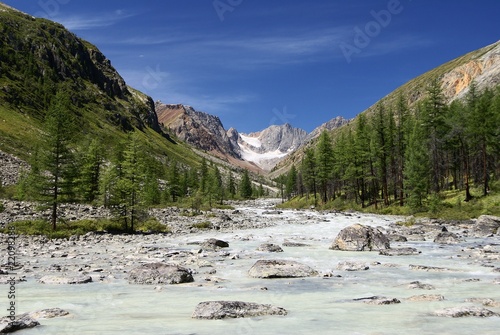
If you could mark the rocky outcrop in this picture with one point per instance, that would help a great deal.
(280, 269)
(332, 124)
(201, 130)
(234, 309)
(159, 273)
(360, 238)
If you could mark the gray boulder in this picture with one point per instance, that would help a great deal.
(214, 244)
(399, 252)
(416, 285)
(486, 225)
(377, 300)
(280, 269)
(22, 321)
(426, 297)
(48, 313)
(269, 247)
(234, 309)
(447, 237)
(464, 311)
(352, 266)
(159, 273)
(360, 238)
(82, 279)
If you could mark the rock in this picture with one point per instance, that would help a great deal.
(269, 247)
(397, 238)
(352, 266)
(428, 268)
(399, 252)
(22, 321)
(280, 269)
(486, 225)
(48, 313)
(360, 238)
(416, 285)
(484, 302)
(159, 273)
(234, 309)
(426, 297)
(83, 279)
(214, 244)
(446, 237)
(294, 244)
(459, 312)
(376, 300)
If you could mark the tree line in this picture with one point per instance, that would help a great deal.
(127, 179)
(405, 156)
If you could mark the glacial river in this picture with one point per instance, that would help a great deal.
(315, 305)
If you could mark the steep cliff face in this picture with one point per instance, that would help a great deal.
(332, 124)
(483, 69)
(201, 130)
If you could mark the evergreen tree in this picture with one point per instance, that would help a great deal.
(174, 181)
(246, 186)
(324, 158)
(309, 172)
(90, 165)
(417, 167)
(401, 136)
(57, 168)
(291, 182)
(203, 175)
(380, 148)
(231, 187)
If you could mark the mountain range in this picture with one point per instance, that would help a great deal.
(37, 56)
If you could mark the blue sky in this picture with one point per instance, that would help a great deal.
(255, 63)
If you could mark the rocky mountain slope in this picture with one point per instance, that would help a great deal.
(39, 57)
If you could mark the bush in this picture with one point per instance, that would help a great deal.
(152, 226)
(202, 225)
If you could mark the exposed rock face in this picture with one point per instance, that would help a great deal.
(483, 70)
(159, 273)
(234, 309)
(360, 238)
(334, 123)
(201, 130)
(486, 225)
(460, 312)
(280, 269)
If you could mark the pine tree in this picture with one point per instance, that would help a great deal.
(174, 181)
(231, 187)
(324, 158)
(90, 165)
(309, 172)
(291, 182)
(57, 166)
(246, 186)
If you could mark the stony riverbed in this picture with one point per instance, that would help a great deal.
(436, 278)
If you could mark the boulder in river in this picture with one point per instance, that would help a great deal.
(460, 312)
(159, 273)
(269, 247)
(82, 279)
(234, 309)
(360, 238)
(280, 269)
(20, 322)
(446, 237)
(486, 225)
(352, 266)
(399, 252)
(214, 244)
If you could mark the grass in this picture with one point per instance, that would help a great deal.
(81, 227)
(202, 225)
(448, 205)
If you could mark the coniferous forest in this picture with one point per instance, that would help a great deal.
(405, 156)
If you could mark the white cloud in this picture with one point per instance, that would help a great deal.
(85, 22)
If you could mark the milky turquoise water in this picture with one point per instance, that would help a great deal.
(315, 305)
